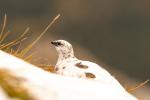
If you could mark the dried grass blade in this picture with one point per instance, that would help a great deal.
(35, 41)
(138, 86)
(16, 41)
(3, 27)
(4, 36)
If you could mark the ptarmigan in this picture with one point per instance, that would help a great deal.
(69, 65)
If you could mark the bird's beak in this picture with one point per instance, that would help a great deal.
(54, 43)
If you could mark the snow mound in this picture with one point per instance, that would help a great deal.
(44, 85)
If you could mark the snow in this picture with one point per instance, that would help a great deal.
(47, 86)
(3, 96)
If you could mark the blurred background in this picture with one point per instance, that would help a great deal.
(113, 33)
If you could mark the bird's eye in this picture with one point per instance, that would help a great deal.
(58, 43)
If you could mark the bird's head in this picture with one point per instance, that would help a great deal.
(63, 48)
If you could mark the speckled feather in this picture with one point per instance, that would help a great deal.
(69, 65)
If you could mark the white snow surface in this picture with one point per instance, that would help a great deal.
(47, 86)
(3, 96)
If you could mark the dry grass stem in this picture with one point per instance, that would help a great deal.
(3, 27)
(16, 41)
(12, 86)
(138, 86)
(25, 50)
(21, 53)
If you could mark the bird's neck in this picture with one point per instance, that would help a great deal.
(64, 56)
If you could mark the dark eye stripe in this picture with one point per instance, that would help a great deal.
(58, 43)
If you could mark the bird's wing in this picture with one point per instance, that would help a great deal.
(101, 74)
(97, 70)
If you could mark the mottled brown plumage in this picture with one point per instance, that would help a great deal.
(89, 75)
(68, 65)
(80, 65)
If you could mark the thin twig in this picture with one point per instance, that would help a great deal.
(138, 86)
(4, 25)
(4, 36)
(41, 34)
(16, 41)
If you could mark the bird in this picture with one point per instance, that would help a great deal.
(69, 65)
